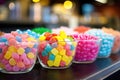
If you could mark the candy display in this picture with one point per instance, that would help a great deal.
(56, 51)
(17, 52)
(116, 34)
(106, 43)
(81, 29)
(87, 48)
(41, 30)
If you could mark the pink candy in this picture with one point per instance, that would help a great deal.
(17, 52)
(87, 48)
(15, 56)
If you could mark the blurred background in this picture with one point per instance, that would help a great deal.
(24, 14)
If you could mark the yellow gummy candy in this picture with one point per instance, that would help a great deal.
(50, 63)
(59, 47)
(12, 49)
(63, 34)
(65, 58)
(57, 60)
(30, 44)
(20, 51)
(62, 42)
(63, 52)
(1, 65)
(59, 38)
(8, 55)
(54, 51)
(12, 62)
(31, 39)
(42, 38)
(30, 55)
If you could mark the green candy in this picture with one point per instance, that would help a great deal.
(41, 30)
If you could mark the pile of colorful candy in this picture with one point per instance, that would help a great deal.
(82, 29)
(116, 34)
(68, 30)
(29, 32)
(17, 52)
(56, 51)
(87, 48)
(106, 43)
(41, 30)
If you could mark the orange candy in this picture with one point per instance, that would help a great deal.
(81, 29)
(20, 64)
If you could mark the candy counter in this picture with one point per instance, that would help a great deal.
(56, 52)
(100, 69)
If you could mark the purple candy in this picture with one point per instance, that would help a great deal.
(8, 67)
(15, 68)
(27, 50)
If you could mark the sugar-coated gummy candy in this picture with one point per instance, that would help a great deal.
(17, 51)
(48, 48)
(30, 55)
(50, 63)
(62, 52)
(20, 51)
(15, 56)
(12, 62)
(20, 64)
(56, 50)
(18, 38)
(27, 50)
(57, 60)
(15, 68)
(52, 57)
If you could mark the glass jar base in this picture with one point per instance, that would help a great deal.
(55, 67)
(104, 57)
(17, 72)
(84, 62)
(20, 72)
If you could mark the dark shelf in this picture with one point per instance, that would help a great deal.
(100, 69)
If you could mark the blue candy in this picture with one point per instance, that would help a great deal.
(2, 39)
(51, 57)
(18, 38)
(32, 34)
(72, 47)
(19, 31)
(27, 50)
(106, 42)
(48, 48)
(44, 53)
